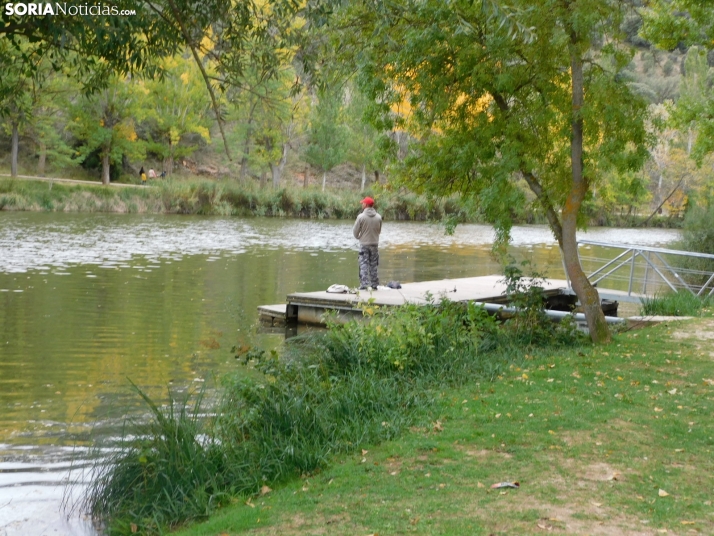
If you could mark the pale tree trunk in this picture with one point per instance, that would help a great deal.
(15, 149)
(278, 169)
(246, 145)
(169, 162)
(105, 168)
(42, 160)
(306, 179)
(324, 179)
(243, 169)
(364, 176)
(587, 294)
(275, 174)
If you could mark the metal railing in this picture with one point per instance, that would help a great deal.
(645, 270)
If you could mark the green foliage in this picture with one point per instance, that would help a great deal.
(412, 339)
(328, 136)
(529, 324)
(170, 470)
(175, 106)
(698, 236)
(682, 303)
(696, 102)
(104, 122)
(357, 384)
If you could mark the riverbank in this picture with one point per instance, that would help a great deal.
(229, 198)
(614, 439)
(224, 198)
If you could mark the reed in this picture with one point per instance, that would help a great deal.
(357, 384)
(682, 303)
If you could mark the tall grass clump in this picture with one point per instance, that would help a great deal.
(682, 303)
(356, 384)
(168, 469)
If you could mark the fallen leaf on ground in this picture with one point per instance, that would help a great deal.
(662, 493)
(265, 490)
(438, 427)
(708, 381)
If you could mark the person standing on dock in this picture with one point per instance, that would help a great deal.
(366, 230)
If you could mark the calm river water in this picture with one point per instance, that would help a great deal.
(89, 302)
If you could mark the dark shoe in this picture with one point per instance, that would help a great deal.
(363, 288)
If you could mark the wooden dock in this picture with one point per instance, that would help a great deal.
(309, 307)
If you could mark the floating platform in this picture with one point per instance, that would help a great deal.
(309, 307)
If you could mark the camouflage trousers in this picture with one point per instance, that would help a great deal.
(368, 262)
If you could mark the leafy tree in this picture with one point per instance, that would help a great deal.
(104, 122)
(93, 44)
(362, 144)
(266, 114)
(678, 23)
(695, 107)
(327, 134)
(500, 91)
(16, 96)
(175, 106)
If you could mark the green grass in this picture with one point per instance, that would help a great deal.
(591, 433)
(682, 303)
(224, 198)
(357, 384)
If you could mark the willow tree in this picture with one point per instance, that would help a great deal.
(499, 92)
(671, 24)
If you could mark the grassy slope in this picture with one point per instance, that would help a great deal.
(592, 438)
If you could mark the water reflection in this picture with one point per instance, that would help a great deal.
(90, 301)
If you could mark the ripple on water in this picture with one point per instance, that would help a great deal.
(41, 241)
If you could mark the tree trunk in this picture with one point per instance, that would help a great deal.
(105, 167)
(243, 169)
(278, 169)
(169, 162)
(306, 179)
(246, 145)
(263, 180)
(15, 149)
(364, 176)
(41, 162)
(587, 294)
(324, 179)
(275, 173)
(376, 175)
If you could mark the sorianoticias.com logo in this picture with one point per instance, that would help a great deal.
(63, 8)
